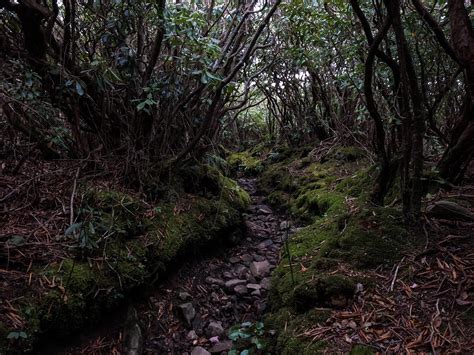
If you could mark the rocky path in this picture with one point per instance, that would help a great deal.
(193, 310)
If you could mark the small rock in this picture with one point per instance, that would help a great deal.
(265, 283)
(257, 257)
(234, 259)
(260, 268)
(188, 312)
(191, 335)
(241, 290)
(214, 329)
(198, 350)
(264, 209)
(284, 225)
(256, 293)
(265, 244)
(252, 228)
(227, 275)
(240, 271)
(254, 287)
(247, 258)
(234, 282)
(184, 296)
(225, 345)
(214, 281)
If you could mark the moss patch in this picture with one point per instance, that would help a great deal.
(245, 162)
(330, 196)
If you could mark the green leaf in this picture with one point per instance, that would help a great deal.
(16, 240)
(141, 105)
(79, 89)
(72, 228)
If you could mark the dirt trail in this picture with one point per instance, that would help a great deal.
(195, 307)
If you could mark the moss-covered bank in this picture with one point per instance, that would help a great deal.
(329, 194)
(122, 243)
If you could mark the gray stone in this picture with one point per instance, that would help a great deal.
(285, 225)
(191, 335)
(265, 283)
(214, 281)
(241, 290)
(265, 244)
(184, 296)
(264, 209)
(240, 271)
(260, 268)
(221, 346)
(234, 259)
(234, 282)
(254, 287)
(188, 312)
(214, 329)
(256, 293)
(198, 350)
(227, 275)
(252, 228)
(247, 258)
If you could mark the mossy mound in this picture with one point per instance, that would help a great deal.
(123, 243)
(290, 325)
(330, 195)
(245, 162)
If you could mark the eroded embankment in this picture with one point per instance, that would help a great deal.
(119, 243)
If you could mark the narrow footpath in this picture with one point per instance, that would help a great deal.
(192, 311)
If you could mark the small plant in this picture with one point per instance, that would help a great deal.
(247, 338)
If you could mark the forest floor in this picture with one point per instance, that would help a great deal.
(414, 295)
(196, 306)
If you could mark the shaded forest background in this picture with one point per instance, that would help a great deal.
(153, 84)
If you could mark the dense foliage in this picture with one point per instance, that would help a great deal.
(157, 83)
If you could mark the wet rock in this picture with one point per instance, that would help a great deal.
(285, 225)
(198, 350)
(260, 269)
(214, 329)
(221, 346)
(251, 279)
(256, 293)
(240, 271)
(214, 281)
(265, 244)
(264, 209)
(234, 282)
(133, 337)
(247, 258)
(253, 287)
(265, 283)
(241, 290)
(187, 311)
(184, 296)
(252, 228)
(191, 335)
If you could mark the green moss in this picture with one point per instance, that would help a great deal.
(289, 326)
(345, 154)
(324, 291)
(245, 162)
(318, 203)
(361, 350)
